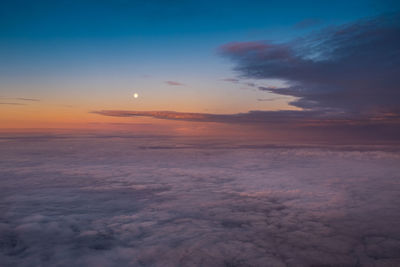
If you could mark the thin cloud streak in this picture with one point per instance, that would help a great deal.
(233, 80)
(21, 99)
(28, 99)
(282, 116)
(174, 83)
(269, 99)
(291, 125)
(249, 117)
(12, 104)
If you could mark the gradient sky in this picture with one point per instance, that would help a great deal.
(65, 62)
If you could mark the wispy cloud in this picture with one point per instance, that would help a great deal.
(269, 99)
(12, 103)
(17, 101)
(27, 99)
(238, 81)
(174, 83)
(233, 80)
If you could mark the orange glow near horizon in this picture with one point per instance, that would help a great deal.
(53, 112)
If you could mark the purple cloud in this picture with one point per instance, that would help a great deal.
(351, 68)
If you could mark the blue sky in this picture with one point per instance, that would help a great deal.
(146, 37)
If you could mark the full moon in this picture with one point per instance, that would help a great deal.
(135, 95)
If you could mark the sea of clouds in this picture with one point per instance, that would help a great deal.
(158, 201)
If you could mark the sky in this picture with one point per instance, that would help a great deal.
(199, 133)
(258, 64)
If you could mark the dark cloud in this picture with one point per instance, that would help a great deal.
(174, 83)
(351, 68)
(84, 201)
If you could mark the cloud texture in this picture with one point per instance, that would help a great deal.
(344, 79)
(114, 201)
(350, 68)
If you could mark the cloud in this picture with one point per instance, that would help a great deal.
(291, 125)
(27, 99)
(249, 117)
(251, 84)
(174, 83)
(233, 80)
(237, 81)
(269, 99)
(349, 68)
(344, 79)
(12, 103)
(24, 100)
(254, 117)
(83, 201)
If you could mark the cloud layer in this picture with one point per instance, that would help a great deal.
(350, 68)
(114, 201)
(290, 125)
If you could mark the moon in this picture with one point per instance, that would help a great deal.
(135, 95)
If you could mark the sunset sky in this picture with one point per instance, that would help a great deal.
(199, 133)
(72, 64)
